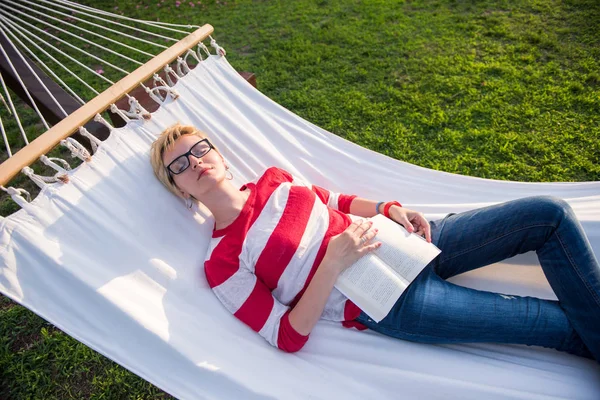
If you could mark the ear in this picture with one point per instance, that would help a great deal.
(184, 194)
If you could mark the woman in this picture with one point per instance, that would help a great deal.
(279, 244)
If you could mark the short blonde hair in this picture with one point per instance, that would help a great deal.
(166, 141)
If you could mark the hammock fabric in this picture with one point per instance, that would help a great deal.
(116, 261)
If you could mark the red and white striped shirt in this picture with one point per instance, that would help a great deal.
(260, 265)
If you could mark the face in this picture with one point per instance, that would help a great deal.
(202, 174)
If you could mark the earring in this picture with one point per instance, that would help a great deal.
(227, 170)
(188, 203)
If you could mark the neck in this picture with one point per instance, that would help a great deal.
(225, 204)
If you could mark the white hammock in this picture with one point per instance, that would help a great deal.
(115, 261)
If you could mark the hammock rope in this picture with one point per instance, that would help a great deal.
(17, 19)
(87, 31)
(102, 26)
(87, 53)
(51, 72)
(163, 25)
(23, 86)
(77, 150)
(92, 43)
(49, 161)
(6, 144)
(15, 115)
(24, 32)
(15, 194)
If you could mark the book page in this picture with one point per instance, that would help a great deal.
(406, 253)
(371, 285)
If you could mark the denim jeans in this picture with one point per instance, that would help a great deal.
(432, 310)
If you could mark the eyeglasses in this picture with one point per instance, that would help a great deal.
(181, 163)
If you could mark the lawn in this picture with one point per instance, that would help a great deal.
(505, 90)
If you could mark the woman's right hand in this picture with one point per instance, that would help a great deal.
(345, 249)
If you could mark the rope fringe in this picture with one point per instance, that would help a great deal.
(77, 150)
(94, 141)
(15, 194)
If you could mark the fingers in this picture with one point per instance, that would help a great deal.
(364, 244)
(428, 232)
(370, 235)
(361, 226)
(370, 247)
(424, 228)
(407, 225)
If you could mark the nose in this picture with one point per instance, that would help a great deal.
(194, 161)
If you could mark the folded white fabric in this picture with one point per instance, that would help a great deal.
(116, 261)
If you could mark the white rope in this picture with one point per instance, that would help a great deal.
(20, 31)
(49, 161)
(57, 62)
(79, 49)
(5, 139)
(61, 52)
(36, 77)
(119, 112)
(97, 25)
(99, 118)
(15, 194)
(94, 141)
(8, 18)
(73, 35)
(157, 78)
(155, 95)
(141, 21)
(155, 92)
(170, 72)
(189, 52)
(182, 62)
(39, 180)
(182, 68)
(57, 4)
(77, 150)
(75, 27)
(14, 112)
(203, 47)
(136, 111)
(220, 51)
(34, 105)
(31, 53)
(8, 151)
(4, 102)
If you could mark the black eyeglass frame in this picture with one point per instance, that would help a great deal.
(187, 156)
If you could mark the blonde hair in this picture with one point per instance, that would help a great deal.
(166, 141)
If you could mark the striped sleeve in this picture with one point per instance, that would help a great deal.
(249, 300)
(337, 201)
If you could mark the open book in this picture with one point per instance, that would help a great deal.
(375, 282)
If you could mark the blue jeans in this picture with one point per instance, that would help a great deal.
(432, 310)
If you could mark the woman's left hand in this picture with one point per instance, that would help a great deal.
(411, 221)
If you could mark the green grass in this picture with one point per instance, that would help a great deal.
(506, 90)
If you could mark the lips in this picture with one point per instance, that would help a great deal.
(202, 172)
